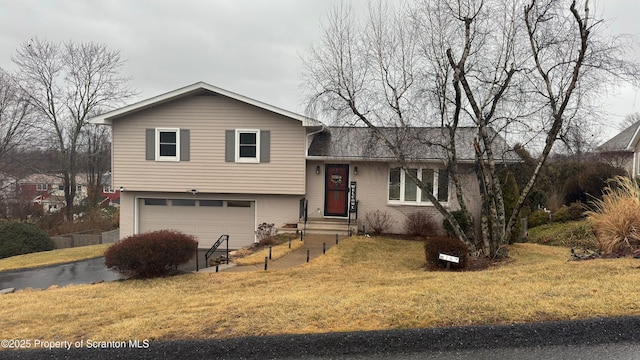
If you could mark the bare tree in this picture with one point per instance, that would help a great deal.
(15, 116)
(15, 128)
(67, 84)
(523, 69)
(628, 121)
(95, 156)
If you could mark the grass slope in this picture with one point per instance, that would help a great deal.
(360, 284)
(578, 234)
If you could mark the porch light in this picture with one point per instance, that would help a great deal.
(317, 169)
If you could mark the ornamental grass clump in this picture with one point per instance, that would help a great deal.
(616, 217)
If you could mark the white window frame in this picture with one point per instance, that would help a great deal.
(41, 187)
(253, 160)
(108, 189)
(157, 145)
(418, 201)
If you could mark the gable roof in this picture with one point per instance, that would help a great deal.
(418, 144)
(200, 87)
(624, 141)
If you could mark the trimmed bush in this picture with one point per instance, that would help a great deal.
(462, 221)
(18, 238)
(561, 214)
(419, 224)
(537, 218)
(151, 254)
(436, 245)
(379, 222)
(576, 211)
(568, 213)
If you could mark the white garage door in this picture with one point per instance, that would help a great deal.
(205, 219)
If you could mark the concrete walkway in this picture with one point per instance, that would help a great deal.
(313, 243)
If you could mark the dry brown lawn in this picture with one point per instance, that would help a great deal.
(360, 284)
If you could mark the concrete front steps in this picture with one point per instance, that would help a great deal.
(328, 226)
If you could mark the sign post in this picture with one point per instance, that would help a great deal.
(449, 259)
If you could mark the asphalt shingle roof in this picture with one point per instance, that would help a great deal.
(424, 143)
(620, 141)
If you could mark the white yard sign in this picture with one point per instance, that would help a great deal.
(449, 258)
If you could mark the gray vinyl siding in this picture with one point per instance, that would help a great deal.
(208, 118)
(372, 194)
(272, 209)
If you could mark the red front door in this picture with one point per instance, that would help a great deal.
(336, 183)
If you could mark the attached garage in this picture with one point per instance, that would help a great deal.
(206, 219)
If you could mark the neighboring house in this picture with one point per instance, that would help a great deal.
(208, 162)
(109, 195)
(43, 190)
(623, 150)
(48, 191)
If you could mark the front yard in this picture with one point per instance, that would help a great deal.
(360, 284)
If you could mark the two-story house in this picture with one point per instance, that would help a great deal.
(207, 161)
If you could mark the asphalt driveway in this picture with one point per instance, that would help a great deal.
(79, 272)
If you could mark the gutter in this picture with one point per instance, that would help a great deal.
(307, 144)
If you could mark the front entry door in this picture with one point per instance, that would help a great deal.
(336, 184)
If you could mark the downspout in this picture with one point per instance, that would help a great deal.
(308, 143)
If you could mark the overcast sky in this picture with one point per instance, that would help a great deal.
(249, 47)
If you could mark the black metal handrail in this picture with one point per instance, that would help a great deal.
(306, 216)
(215, 247)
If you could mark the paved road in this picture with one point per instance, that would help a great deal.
(616, 338)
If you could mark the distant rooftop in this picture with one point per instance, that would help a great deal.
(621, 141)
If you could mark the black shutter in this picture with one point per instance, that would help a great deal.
(185, 144)
(265, 146)
(230, 146)
(150, 144)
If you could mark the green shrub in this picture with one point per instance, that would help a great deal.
(561, 214)
(419, 224)
(18, 238)
(462, 221)
(436, 245)
(573, 212)
(537, 218)
(576, 234)
(151, 254)
(576, 211)
(583, 186)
